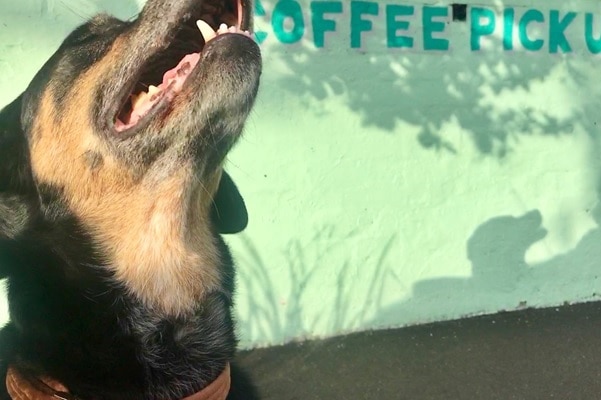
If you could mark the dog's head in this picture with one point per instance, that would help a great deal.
(122, 135)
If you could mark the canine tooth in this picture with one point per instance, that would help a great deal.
(205, 30)
(153, 89)
(222, 28)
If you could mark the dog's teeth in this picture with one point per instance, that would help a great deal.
(153, 89)
(224, 28)
(205, 30)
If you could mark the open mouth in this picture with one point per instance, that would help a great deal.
(165, 73)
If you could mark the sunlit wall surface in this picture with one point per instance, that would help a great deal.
(405, 162)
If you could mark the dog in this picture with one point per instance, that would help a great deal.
(113, 200)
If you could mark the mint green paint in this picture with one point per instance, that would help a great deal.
(396, 186)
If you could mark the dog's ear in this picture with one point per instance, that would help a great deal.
(16, 183)
(229, 211)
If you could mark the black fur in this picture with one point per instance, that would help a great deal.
(70, 320)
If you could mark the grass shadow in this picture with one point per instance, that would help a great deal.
(277, 308)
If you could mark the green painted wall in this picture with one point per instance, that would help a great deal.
(394, 186)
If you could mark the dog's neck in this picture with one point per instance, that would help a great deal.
(161, 247)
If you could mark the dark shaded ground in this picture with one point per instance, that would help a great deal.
(551, 353)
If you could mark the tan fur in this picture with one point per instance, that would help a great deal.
(156, 232)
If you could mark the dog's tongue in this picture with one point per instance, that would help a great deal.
(175, 77)
(173, 80)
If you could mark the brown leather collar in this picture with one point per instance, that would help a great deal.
(20, 388)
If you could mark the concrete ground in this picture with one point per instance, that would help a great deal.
(551, 353)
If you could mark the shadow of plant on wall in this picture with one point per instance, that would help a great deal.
(500, 274)
(278, 314)
(431, 90)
